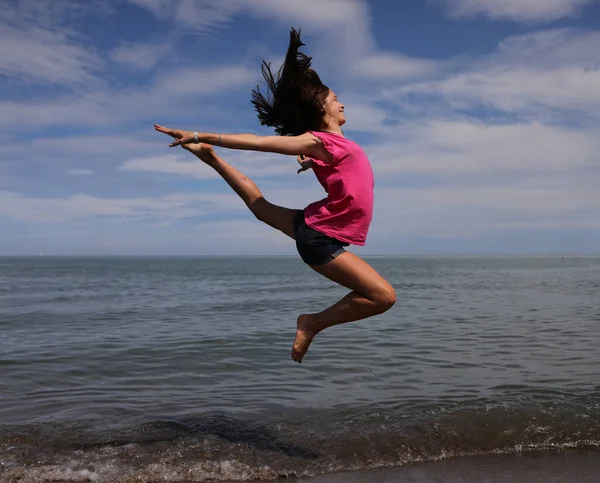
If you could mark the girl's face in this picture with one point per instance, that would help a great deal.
(334, 109)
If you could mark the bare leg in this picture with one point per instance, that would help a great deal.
(278, 217)
(371, 295)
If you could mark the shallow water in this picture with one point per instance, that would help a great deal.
(173, 369)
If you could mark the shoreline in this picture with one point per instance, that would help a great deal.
(581, 466)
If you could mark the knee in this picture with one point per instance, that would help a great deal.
(256, 207)
(386, 298)
(259, 216)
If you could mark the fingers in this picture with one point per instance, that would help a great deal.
(305, 162)
(180, 137)
(176, 133)
(164, 130)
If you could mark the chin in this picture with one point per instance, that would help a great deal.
(342, 121)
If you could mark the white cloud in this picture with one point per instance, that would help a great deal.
(40, 41)
(204, 14)
(528, 74)
(549, 48)
(53, 13)
(451, 147)
(343, 26)
(206, 80)
(241, 236)
(387, 65)
(79, 207)
(253, 164)
(46, 56)
(255, 236)
(160, 8)
(313, 11)
(80, 172)
(467, 210)
(521, 90)
(310, 13)
(141, 55)
(104, 106)
(91, 146)
(518, 10)
(172, 164)
(363, 117)
(51, 210)
(346, 20)
(344, 37)
(69, 110)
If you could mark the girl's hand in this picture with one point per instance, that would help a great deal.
(304, 162)
(181, 137)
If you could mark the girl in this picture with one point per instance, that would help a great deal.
(308, 118)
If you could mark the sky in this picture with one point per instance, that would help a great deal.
(481, 119)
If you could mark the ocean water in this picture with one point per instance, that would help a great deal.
(179, 369)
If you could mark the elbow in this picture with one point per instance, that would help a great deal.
(289, 145)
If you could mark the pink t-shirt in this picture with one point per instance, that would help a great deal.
(347, 211)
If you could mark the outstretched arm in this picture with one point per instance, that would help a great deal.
(306, 144)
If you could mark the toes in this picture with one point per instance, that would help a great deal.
(296, 355)
(300, 346)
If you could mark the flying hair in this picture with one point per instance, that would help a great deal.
(295, 96)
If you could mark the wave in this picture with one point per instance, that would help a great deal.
(312, 442)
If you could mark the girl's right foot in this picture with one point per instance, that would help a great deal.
(305, 334)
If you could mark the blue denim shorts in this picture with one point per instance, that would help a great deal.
(314, 247)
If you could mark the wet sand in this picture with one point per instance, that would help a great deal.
(543, 467)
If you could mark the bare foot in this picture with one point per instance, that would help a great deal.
(304, 336)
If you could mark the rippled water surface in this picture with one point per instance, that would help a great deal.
(177, 369)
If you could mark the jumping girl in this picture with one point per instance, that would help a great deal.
(307, 116)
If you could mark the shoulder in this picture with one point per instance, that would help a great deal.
(321, 146)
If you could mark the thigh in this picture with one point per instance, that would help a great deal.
(316, 248)
(355, 274)
(278, 217)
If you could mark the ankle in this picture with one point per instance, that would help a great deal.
(306, 320)
(315, 323)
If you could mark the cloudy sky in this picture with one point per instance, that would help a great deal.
(481, 119)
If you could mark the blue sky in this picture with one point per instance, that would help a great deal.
(481, 119)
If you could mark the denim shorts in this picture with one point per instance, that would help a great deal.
(314, 247)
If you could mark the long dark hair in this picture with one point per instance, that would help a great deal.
(294, 101)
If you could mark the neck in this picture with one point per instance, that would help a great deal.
(333, 127)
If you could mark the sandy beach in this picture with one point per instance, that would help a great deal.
(542, 467)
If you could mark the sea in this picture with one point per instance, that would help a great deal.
(134, 369)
